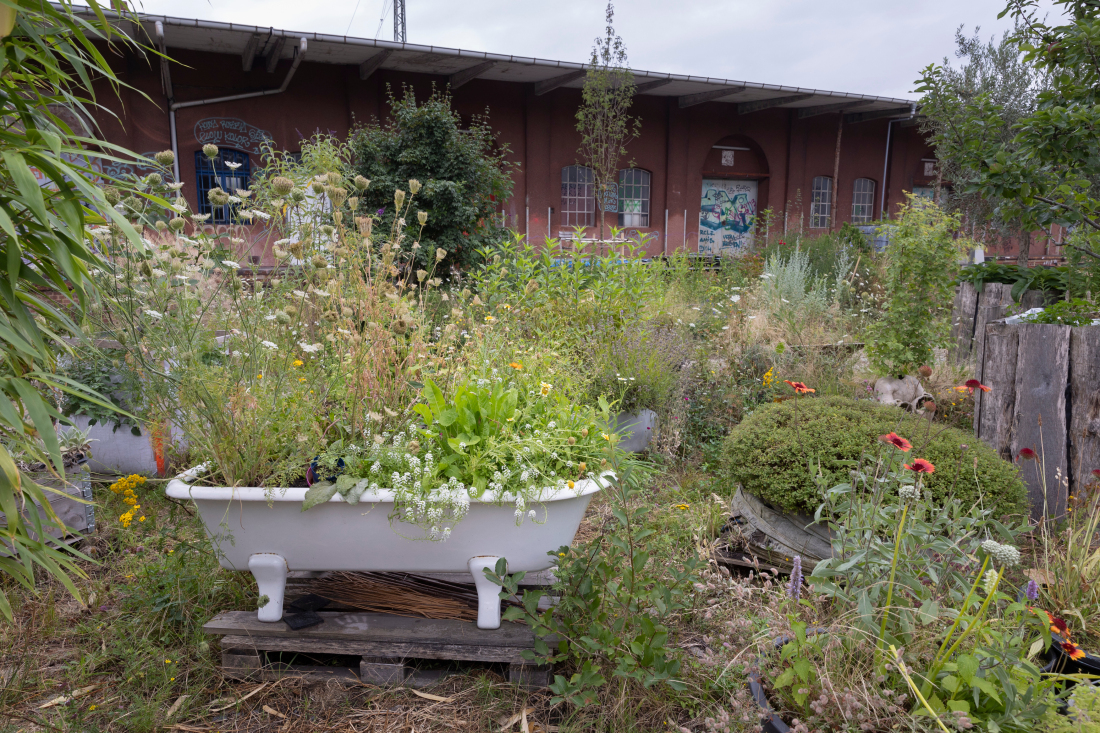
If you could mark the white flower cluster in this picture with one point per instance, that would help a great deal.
(1005, 555)
(909, 493)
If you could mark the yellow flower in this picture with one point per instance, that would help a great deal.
(260, 376)
(92, 707)
(142, 519)
(544, 388)
(506, 306)
(298, 362)
(605, 436)
(561, 554)
(301, 379)
(682, 507)
(570, 484)
(489, 319)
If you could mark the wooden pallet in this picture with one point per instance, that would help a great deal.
(384, 643)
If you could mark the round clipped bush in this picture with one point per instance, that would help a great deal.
(770, 454)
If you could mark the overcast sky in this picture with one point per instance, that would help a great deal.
(863, 46)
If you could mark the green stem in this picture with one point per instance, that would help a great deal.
(965, 606)
(890, 586)
(973, 624)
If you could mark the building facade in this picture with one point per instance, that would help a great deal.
(712, 156)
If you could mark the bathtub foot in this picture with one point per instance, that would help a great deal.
(488, 592)
(270, 573)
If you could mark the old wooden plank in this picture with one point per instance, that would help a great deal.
(993, 304)
(382, 671)
(530, 675)
(308, 672)
(1039, 415)
(963, 313)
(376, 627)
(1084, 407)
(993, 411)
(380, 649)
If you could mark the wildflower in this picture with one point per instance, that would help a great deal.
(309, 348)
(799, 387)
(929, 406)
(920, 466)
(1032, 590)
(544, 388)
(489, 319)
(605, 436)
(260, 375)
(794, 588)
(270, 344)
(973, 384)
(909, 493)
(570, 484)
(1057, 625)
(231, 264)
(298, 362)
(1071, 650)
(925, 371)
(1027, 454)
(897, 441)
(989, 581)
(683, 507)
(516, 365)
(154, 314)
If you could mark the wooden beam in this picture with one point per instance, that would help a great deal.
(649, 86)
(372, 64)
(690, 100)
(824, 109)
(459, 78)
(549, 85)
(249, 54)
(875, 115)
(275, 54)
(748, 107)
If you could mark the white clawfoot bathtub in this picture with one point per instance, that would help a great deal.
(266, 532)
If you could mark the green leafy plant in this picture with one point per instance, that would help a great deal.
(115, 382)
(463, 168)
(920, 265)
(637, 367)
(1055, 281)
(768, 454)
(1076, 312)
(616, 600)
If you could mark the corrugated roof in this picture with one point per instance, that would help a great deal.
(234, 38)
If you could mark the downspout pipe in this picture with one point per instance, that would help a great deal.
(173, 105)
(886, 159)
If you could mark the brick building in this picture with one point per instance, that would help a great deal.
(711, 155)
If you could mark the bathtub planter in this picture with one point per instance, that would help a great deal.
(266, 532)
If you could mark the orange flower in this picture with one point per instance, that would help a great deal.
(1071, 650)
(1057, 625)
(973, 384)
(920, 466)
(516, 365)
(897, 441)
(799, 387)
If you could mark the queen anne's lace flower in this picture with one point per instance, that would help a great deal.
(1004, 555)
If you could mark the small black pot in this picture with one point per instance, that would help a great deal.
(769, 720)
(1059, 661)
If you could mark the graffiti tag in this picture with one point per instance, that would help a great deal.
(231, 132)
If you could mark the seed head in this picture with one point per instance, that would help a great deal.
(317, 186)
(177, 224)
(414, 186)
(161, 225)
(440, 253)
(112, 194)
(154, 179)
(422, 217)
(361, 183)
(217, 196)
(338, 196)
(398, 198)
(282, 185)
(421, 274)
(210, 150)
(165, 158)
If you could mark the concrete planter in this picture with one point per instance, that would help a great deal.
(266, 531)
(636, 430)
(123, 453)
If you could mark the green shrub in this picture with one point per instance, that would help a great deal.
(770, 453)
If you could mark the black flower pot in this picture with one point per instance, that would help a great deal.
(1061, 662)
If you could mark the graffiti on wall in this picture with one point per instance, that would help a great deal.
(231, 132)
(727, 216)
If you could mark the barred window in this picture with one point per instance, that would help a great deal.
(633, 198)
(821, 206)
(229, 171)
(863, 201)
(578, 196)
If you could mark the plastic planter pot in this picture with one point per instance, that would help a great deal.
(265, 531)
(770, 722)
(1061, 663)
(636, 430)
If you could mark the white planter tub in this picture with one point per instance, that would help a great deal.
(266, 531)
(635, 430)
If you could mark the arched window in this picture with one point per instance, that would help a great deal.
(578, 199)
(633, 198)
(821, 202)
(229, 171)
(863, 201)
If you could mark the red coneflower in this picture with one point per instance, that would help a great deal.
(1027, 454)
(1096, 472)
(920, 466)
(799, 387)
(897, 441)
(1071, 650)
(973, 384)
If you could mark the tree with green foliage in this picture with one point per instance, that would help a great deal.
(921, 262)
(1048, 172)
(991, 73)
(49, 193)
(603, 119)
(463, 174)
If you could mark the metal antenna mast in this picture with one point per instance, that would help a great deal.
(399, 21)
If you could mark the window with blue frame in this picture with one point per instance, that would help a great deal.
(229, 171)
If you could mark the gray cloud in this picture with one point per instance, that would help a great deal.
(865, 46)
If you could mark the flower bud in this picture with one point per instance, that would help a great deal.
(422, 217)
(165, 157)
(353, 203)
(361, 183)
(112, 194)
(440, 253)
(532, 286)
(414, 186)
(338, 217)
(177, 224)
(319, 262)
(925, 371)
(217, 196)
(334, 178)
(317, 186)
(210, 151)
(154, 179)
(584, 433)
(282, 185)
(398, 198)
(338, 196)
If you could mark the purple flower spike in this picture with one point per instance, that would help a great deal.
(1032, 591)
(381, 211)
(795, 587)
